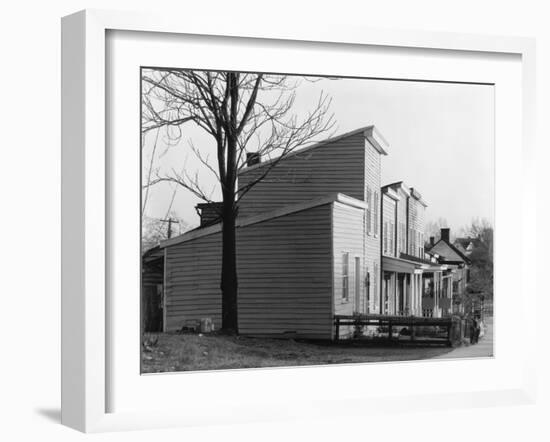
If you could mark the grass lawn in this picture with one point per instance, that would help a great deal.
(185, 352)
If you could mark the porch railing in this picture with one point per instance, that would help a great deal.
(387, 322)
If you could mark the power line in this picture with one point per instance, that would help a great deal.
(169, 221)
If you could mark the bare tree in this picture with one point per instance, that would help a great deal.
(155, 230)
(242, 112)
(480, 231)
(433, 228)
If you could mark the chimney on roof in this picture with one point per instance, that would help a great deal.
(252, 158)
(209, 213)
(432, 241)
(446, 234)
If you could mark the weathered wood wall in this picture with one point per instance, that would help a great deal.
(285, 277)
(333, 167)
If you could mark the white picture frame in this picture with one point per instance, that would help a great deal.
(85, 202)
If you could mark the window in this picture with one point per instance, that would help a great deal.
(345, 276)
(375, 211)
(391, 237)
(385, 236)
(369, 211)
(375, 286)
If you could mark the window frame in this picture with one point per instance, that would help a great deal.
(345, 276)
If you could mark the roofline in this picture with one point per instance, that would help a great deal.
(418, 196)
(391, 193)
(455, 249)
(401, 185)
(277, 213)
(374, 137)
(419, 265)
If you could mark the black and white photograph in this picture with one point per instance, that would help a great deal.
(277, 221)
(309, 220)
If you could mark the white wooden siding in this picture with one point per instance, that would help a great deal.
(285, 279)
(402, 221)
(372, 177)
(388, 223)
(348, 227)
(416, 228)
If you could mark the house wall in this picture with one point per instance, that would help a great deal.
(334, 167)
(402, 221)
(459, 281)
(285, 277)
(348, 239)
(152, 278)
(416, 228)
(351, 166)
(372, 178)
(388, 225)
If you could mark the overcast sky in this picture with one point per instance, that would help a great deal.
(441, 141)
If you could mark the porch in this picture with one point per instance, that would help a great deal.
(415, 288)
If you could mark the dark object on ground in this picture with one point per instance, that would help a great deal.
(475, 331)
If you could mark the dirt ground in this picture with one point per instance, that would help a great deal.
(190, 352)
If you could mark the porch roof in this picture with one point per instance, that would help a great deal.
(401, 265)
(398, 265)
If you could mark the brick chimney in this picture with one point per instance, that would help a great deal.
(252, 158)
(446, 234)
(432, 241)
(209, 213)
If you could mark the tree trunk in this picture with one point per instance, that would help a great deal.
(229, 283)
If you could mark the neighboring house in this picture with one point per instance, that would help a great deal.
(308, 244)
(466, 245)
(152, 280)
(413, 282)
(457, 261)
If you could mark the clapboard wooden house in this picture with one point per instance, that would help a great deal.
(152, 281)
(414, 283)
(308, 244)
(457, 262)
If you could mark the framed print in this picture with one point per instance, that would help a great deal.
(291, 221)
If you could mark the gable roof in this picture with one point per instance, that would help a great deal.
(465, 242)
(454, 249)
(373, 136)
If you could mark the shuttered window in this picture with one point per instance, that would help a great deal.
(391, 238)
(345, 276)
(375, 287)
(403, 238)
(386, 237)
(375, 211)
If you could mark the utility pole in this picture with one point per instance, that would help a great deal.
(169, 221)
